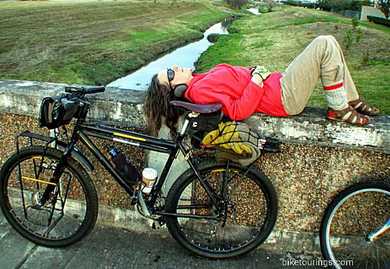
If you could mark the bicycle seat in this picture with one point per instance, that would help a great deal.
(204, 109)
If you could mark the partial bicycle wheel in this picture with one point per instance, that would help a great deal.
(355, 230)
(71, 210)
(241, 220)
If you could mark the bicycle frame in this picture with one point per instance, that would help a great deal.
(83, 131)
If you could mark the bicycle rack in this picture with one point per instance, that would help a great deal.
(31, 136)
(38, 168)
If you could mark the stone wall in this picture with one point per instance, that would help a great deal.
(318, 158)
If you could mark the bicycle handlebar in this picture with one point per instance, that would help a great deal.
(76, 98)
(84, 90)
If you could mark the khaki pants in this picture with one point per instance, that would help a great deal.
(322, 58)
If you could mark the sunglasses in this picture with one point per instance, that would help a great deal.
(171, 76)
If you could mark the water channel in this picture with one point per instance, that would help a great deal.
(185, 56)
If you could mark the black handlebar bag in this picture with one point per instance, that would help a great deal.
(57, 111)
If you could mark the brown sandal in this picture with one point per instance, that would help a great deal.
(348, 115)
(363, 108)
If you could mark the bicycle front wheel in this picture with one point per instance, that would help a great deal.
(238, 222)
(350, 221)
(71, 210)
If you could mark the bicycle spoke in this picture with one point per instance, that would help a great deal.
(52, 210)
(19, 177)
(63, 199)
(224, 180)
(378, 257)
(52, 226)
(36, 173)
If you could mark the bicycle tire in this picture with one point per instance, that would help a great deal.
(379, 191)
(256, 178)
(7, 200)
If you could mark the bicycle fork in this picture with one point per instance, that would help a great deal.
(50, 187)
(58, 171)
(378, 233)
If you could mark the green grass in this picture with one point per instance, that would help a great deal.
(274, 39)
(94, 42)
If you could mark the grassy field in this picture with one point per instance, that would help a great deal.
(93, 42)
(275, 38)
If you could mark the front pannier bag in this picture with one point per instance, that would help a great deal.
(57, 111)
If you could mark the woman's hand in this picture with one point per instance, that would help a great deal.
(259, 74)
(256, 78)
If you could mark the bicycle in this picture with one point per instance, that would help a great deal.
(215, 209)
(355, 230)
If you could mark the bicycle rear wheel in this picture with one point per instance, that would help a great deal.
(68, 215)
(353, 215)
(242, 220)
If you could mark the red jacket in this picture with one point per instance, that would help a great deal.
(232, 87)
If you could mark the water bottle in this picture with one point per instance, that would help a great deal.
(149, 176)
(123, 166)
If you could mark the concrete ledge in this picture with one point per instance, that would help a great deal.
(114, 105)
(312, 127)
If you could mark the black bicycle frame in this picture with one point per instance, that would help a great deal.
(83, 131)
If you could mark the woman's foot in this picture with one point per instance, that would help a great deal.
(348, 115)
(363, 108)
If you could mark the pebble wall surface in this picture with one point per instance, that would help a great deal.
(306, 177)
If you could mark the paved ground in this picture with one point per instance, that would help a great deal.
(109, 247)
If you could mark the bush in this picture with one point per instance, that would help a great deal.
(348, 39)
(270, 5)
(353, 35)
(355, 23)
(365, 58)
(263, 8)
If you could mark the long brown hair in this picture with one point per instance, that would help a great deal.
(157, 108)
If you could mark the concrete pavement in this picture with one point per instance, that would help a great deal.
(110, 247)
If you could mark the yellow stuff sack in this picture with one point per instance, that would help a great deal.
(236, 138)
